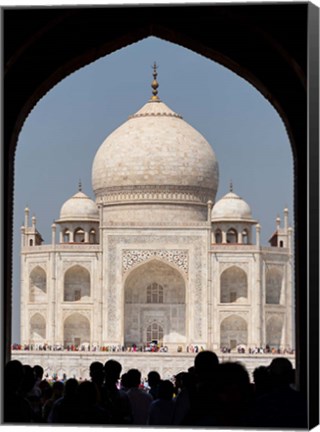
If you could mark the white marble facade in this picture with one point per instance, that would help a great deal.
(155, 257)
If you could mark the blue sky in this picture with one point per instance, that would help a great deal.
(60, 137)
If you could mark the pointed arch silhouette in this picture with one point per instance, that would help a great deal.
(262, 41)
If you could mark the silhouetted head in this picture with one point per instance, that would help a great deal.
(179, 379)
(38, 372)
(261, 373)
(28, 379)
(70, 388)
(153, 378)
(134, 378)
(233, 373)
(261, 378)
(112, 371)
(57, 389)
(124, 381)
(44, 385)
(281, 371)
(205, 364)
(96, 372)
(233, 382)
(13, 375)
(233, 394)
(166, 390)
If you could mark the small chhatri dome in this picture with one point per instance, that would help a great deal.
(79, 208)
(231, 207)
(156, 150)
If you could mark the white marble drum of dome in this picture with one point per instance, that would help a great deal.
(154, 158)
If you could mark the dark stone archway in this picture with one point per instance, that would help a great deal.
(267, 44)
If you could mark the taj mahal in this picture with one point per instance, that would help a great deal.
(154, 256)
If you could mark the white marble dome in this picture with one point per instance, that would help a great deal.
(231, 207)
(79, 208)
(155, 152)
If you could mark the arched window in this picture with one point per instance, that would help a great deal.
(155, 293)
(233, 332)
(37, 328)
(274, 330)
(233, 285)
(79, 235)
(273, 286)
(245, 236)
(154, 333)
(92, 236)
(37, 285)
(31, 242)
(218, 236)
(76, 284)
(232, 236)
(76, 330)
(66, 236)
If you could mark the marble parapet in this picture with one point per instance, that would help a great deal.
(167, 364)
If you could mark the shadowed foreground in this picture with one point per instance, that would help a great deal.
(207, 394)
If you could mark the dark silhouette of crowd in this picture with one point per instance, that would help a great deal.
(208, 394)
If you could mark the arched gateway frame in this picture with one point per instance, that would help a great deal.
(210, 30)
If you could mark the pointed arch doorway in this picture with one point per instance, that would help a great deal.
(154, 305)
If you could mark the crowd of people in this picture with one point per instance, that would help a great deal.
(257, 350)
(208, 394)
(149, 347)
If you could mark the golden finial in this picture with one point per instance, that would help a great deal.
(80, 185)
(155, 84)
(231, 186)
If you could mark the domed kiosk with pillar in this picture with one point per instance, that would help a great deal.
(154, 259)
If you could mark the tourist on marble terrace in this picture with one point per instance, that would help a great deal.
(208, 394)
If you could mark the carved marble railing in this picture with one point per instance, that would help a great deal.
(62, 247)
(248, 247)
